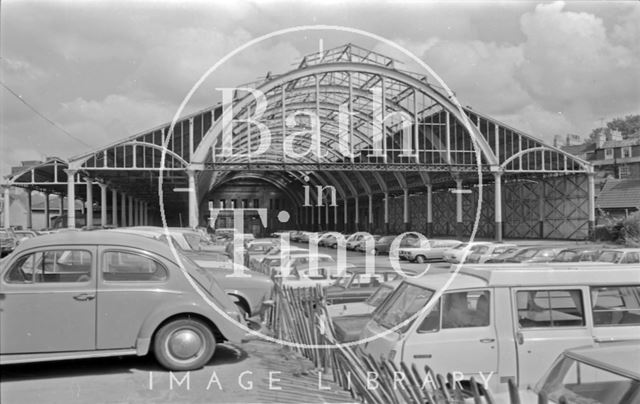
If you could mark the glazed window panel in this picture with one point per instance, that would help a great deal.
(550, 308)
(615, 305)
(126, 267)
(56, 266)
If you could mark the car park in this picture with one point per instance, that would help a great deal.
(620, 256)
(605, 373)
(426, 250)
(105, 293)
(512, 321)
(8, 241)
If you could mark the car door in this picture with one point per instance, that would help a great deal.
(132, 283)
(48, 301)
(548, 320)
(459, 338)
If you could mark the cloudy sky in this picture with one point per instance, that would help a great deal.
(103, 70)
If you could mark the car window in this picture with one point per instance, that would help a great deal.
(480, 249)
(503, 249)
(610, 256)
(615, 305)
(125, 267)
(631, 258)
(51, 266)
(550, 308)
(367, 280)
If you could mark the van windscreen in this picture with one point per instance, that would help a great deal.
(403, 303)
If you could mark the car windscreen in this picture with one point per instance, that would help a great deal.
(405, 301)
(379, 295)
(610, 256)
(193, 240)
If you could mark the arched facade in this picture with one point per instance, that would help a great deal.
(396, 148)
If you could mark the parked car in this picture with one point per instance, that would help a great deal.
(257, 248)
(295, 260)
(365, 307)
(535, 254)
(487, 313)
(25, 234)
(357, 285)
(330, 240)
(249, 291)
(426, 250)
(480, 253)
(354, 239)
(325, 274)
(106, 293)
(501, 258)
(365, 241)
(256, 261)
(383, 244)
(8, 241)
(454, 255)
(620, 256)
(604, 373)
(578, 254)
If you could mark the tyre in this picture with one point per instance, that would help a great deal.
(420, 259)
(184, 344)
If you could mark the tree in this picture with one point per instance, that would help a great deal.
(628, 126)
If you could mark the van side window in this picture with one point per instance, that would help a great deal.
(125, 267)
(550, 308)
(615, 305)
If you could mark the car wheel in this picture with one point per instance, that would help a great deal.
(420, 259)
(184, 344)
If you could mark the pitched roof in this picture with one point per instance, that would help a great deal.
(619, 194)
(632, 141)
(578, 149)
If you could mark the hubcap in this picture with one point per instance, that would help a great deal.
(185, 344)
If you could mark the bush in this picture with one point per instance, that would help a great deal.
(630, 231)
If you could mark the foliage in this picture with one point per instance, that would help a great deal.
(630, 230)
(628, 127)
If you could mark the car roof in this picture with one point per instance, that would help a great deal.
(97, 237)
(539, 275)
(621, 358)
(623, 249)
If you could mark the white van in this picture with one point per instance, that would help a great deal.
(508, 322)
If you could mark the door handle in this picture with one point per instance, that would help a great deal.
(83, 297)
(520, 338)
(487, 340)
